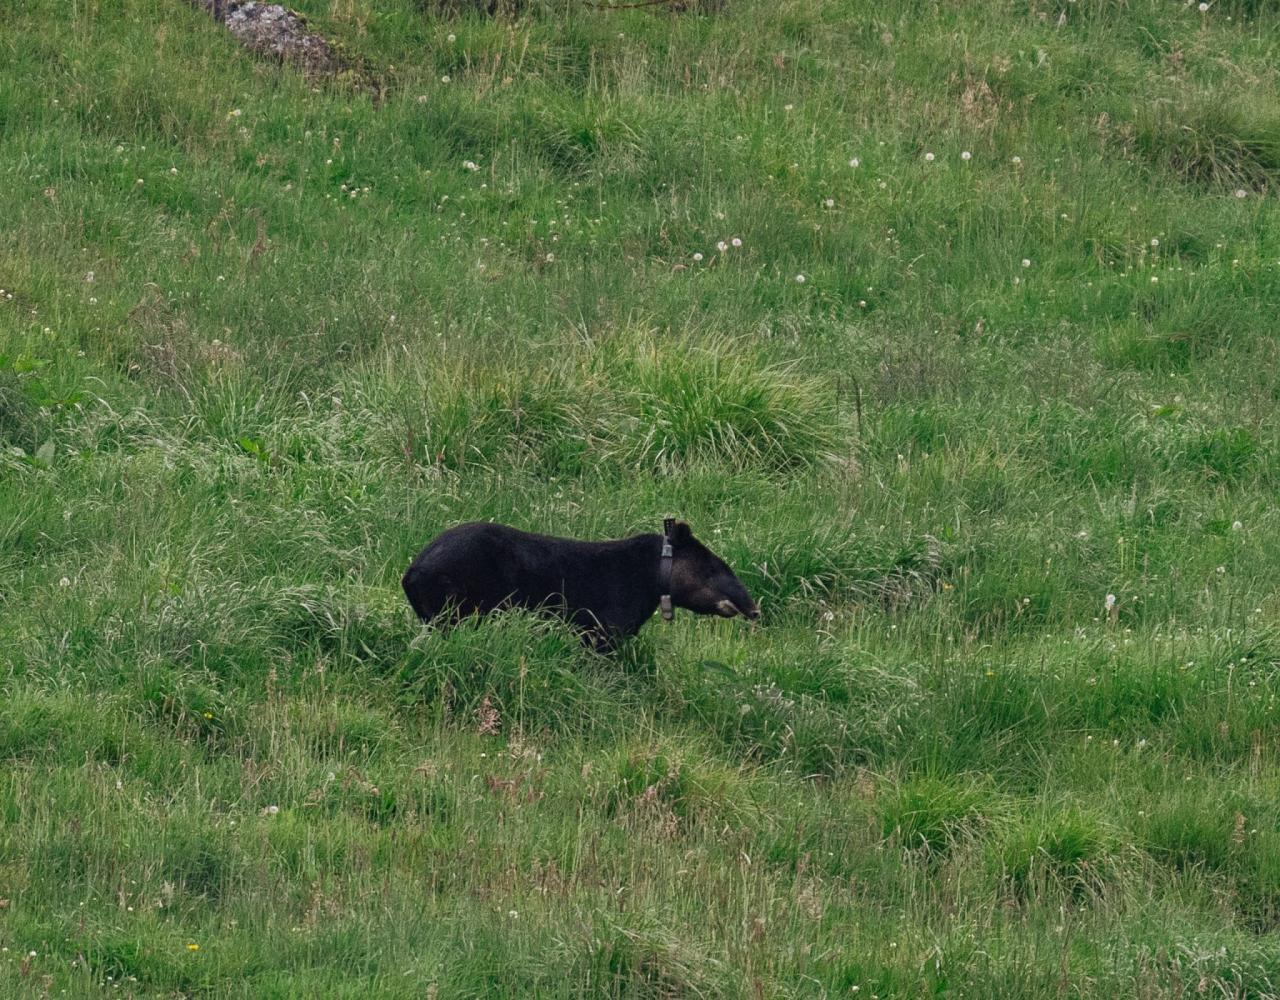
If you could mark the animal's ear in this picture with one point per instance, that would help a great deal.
(681, 533)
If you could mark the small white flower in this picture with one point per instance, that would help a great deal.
(722, 246)
(453, 38)
(1154, 280)
(270, 810)
(800, 279)
(173, 170)
(513, 914)
(64, 582)
(445, 78)
(1204, 8)
(93, 301)
(1026, 262)
(829, 202)
(697, 256)
(1155, 242)
(551, 258)
(1241, 193)
(788, 107)
(862, 303)
(735, 242)
(139, 182)
(471, 165)
(928, 157)
(1017, 160)
(855, 163)
(235, 114)
(1237, 526)
(1110, 601)
(89, 277)
(966, 155)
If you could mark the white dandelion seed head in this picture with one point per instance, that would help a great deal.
(1241, 193)
(928, 157)
(1203, 8)
(1237, 526)
(697, 256)
(966, 155)
(1110, 602)
(829, 202)
(800, 279)
(855, 162)
(1017, 160)
(1155, 242)
(445, 78)
(422, 98)
(735, 242)
(1155, 280)
(453, 38)
(1026, 262)
(722, 246)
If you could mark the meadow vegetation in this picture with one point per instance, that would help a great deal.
(950, 326)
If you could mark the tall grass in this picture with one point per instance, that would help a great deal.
(950, 327)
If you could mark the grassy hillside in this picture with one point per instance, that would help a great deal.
(951, 326)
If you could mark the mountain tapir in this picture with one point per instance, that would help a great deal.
(607, 589)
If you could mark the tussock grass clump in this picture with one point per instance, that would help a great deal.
(932, 813)
(718, 407)
(1214, 142)
(1067, 848)
(644, 408)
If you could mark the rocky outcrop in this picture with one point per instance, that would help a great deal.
(276, 32)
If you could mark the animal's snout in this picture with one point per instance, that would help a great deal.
(752, 612)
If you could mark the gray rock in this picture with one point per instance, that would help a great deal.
(276, 32)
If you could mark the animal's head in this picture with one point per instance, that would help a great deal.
(702, 582)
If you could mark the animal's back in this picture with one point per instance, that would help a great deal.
(478, 566)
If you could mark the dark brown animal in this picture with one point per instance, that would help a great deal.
(607, 589)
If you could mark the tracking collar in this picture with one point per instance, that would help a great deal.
(664, 570)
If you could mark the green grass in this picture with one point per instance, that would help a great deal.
(262, 337)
